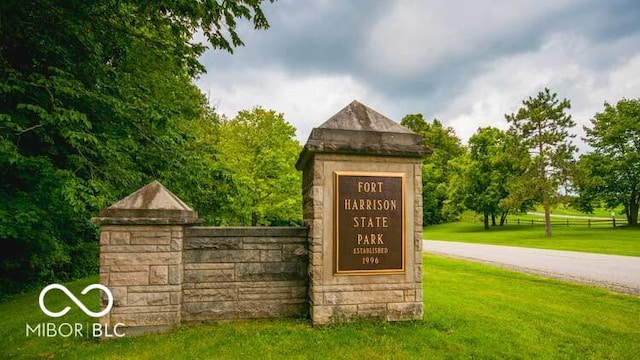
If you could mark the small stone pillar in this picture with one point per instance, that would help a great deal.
(141, 241)
(362, 202)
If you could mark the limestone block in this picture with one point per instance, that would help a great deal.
(128, 268)
(151, 238)
(267, 246)
(129, 278)
(209, 295)
(269, 271)
(294, 252)
(148, 299)
(270, 255)
(120, 259)
(404, 311)
(176, 243)
(119, 238)
(372, 310)
(213, 275)
(155, 288)
(176, 298)
(128, 248)
(363, 297)
(105, 237)
(205, 266)
(119, 296)
(321, 314)
(158, 275)
(203, 256)
(175, 274)
(218, 243)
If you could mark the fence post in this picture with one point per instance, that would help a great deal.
(531, 222)
(518, 221)
(589, 223)
(614, 222)
(567, 222)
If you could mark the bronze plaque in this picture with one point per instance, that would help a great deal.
(369, 223)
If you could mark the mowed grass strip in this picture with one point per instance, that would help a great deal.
(616, 241)
(471, 311)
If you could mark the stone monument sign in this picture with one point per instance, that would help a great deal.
(362, 186)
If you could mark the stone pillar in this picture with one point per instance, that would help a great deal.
(141, 241)
(362, 202)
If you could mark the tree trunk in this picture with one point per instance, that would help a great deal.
(493, 219)
(503, 218)
(547, 220)
(254, 219)
(632, 213)
(486, 221)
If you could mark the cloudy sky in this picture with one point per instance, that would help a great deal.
(464, 62)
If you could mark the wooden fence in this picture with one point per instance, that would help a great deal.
(613, 222)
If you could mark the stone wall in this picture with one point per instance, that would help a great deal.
(242, 273)
(142, 266)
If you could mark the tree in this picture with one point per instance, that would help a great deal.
(435, 169)
(481, 177)
(610, 173)
(259, 150)
(542, 126)
(94, 102)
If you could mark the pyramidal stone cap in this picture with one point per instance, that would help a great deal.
(358, 129)
(153, 203)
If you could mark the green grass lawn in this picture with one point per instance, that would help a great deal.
(605, 240)
(471, 311)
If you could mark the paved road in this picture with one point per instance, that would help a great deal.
(620, 273)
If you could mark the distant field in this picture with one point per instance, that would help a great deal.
(472, 311)
(597, 239)
(565, 210)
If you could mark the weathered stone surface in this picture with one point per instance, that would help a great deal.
(405, 311)
(158, 275)
(129, 278)
(270, 255)
(269, 271)
(207, 256)
(125, 259)
(208, 266)
(151, 238)
(209, 295)
(175, 274)
(214, 275)
(252, 232)
(151, 202)
(219, 243)
(105, 238)
(372, 310)
(363, 297)
(148, 299)
(119, 238)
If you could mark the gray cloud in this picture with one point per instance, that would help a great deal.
(429, 57)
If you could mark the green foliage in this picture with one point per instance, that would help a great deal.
(259, 150)
(96, 100)
(435, 169)
(610, 173)
(481, 178)
(541, 125)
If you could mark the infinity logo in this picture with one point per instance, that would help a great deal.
(75, 300)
